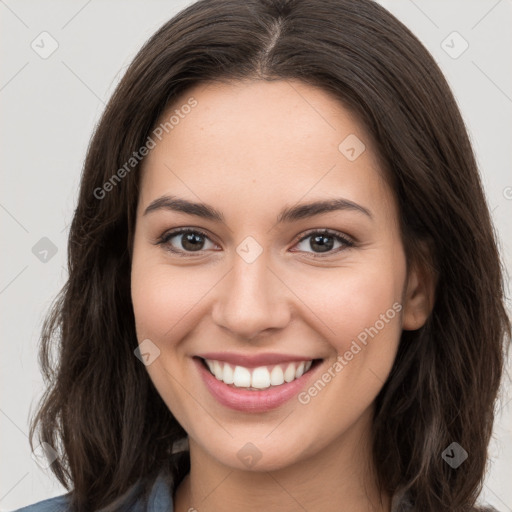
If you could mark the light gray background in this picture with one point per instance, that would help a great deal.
(49, 108)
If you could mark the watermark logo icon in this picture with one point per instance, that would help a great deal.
(352, 147)
(454, 45)
(147, 352)
(249, 454)
(44, 45)
(249, 249)
(44, 250)
(44, 455)
(454, 455)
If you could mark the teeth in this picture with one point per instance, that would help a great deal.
(260, 378)
(257, 378)
(241, 377)
(289, 373)
(217, 370)
(210, 365)
(277, 376)
(228, 375)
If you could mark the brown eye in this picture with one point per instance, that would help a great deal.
(186, 241)
(324, 241)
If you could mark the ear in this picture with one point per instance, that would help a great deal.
(418, 297)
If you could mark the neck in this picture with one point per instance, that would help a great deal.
(339, 477)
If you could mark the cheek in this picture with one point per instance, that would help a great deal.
(364, 335)
(363, 315)
(367, 308)
(355, 298)
(163, 301)
(164, 298)
(155, 302)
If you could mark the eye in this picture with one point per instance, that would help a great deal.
(190, 240)
(323, 241)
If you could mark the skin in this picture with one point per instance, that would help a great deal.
(249, 149)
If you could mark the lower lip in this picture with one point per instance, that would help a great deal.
(244, 400)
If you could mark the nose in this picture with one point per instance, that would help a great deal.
(253, 300)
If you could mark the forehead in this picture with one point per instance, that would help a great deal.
(278, 137)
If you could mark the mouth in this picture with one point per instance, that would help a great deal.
(255, 388)
(261, 377)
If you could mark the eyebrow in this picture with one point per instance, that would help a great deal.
(288, 214)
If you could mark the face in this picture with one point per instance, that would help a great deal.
(262, 287)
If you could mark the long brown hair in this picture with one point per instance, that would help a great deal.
(102, 412)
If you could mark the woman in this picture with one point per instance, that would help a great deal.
(323, 349)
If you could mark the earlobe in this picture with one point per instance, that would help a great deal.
(418, 299)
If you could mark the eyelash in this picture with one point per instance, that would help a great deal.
(166, 237)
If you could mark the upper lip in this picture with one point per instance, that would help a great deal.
(253, 360)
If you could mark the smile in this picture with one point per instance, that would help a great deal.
(261, 377)
(255, 384)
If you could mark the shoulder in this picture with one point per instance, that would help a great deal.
(57, 504)
(160, 500)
